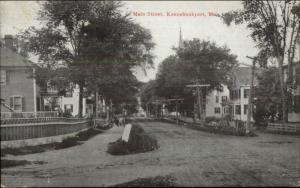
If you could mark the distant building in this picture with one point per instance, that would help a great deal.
(140, 111)
(18, 86)
(69, 102)
(216, 102)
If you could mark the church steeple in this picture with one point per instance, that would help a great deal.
(180, 43)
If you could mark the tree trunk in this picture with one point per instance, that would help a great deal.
(282, 89)
(80, 100)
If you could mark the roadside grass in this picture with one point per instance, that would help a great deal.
(6, 163)
(66, 143)
(220, 130)
(158, 181)
(139, 142)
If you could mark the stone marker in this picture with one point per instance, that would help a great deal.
(126, 132)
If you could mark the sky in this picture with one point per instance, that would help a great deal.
(163, 19)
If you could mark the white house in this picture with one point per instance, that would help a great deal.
(216, 102)
(239, 92)
(70, 101)
(293, 92)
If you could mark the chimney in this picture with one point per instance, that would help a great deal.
(8, 40)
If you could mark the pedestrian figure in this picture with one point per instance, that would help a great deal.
(116, 121)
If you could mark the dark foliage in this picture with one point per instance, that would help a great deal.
(139, 141)
(158, 181)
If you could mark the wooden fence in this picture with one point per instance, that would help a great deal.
(42, 129)
(287, 127)
(38, 114)
(37, 120)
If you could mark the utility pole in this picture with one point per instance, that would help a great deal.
(250, 99)
(96, 103)
(199, 95)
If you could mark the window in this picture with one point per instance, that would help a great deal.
(235, 94)
(217, 110)
(68, 107)
(225, 110)
(245, 108)
(16, 103)
(3, 77)
(68, 94)
(224, 98)
(246, 93)
(238, 109)
(217, 99)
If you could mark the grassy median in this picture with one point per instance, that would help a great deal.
(139, 142)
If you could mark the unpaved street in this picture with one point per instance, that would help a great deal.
(192, 157)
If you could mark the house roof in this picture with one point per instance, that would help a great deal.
(242, 76)
(10, 58)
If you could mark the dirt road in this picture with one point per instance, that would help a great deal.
(192, 157)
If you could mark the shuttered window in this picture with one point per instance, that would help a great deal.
(3, 77)
(238, 109)
(17, 103)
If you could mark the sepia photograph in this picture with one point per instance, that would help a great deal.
(150, 93)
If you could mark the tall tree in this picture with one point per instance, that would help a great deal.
(83, 34)
(275, 27)
(267, 102)
(205, 61)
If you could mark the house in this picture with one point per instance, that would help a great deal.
(293, 92)
(69, 102)
(19, 91)
(239, 92)
(216, 102)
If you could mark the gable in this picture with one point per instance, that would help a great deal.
(10, 58)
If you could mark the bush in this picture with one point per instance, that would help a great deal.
(67, 142)
(85, 135)
(67, 114)
(158, 181)
(138, 142)
(212, 118)
(5, 163)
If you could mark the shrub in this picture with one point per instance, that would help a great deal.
(138, 142)
(67, 142)
(67, 114)
(85, 135)
(158, 181)
(5, 163)
(212, 118)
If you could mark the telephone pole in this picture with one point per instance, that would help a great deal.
(199, 97)
(250, 99)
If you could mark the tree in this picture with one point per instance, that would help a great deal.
(86, 37)
(194, 60)
(169, 78)
(205, 61)
(268, 102)
(275, 27)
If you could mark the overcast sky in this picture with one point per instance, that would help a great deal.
(18, 15)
